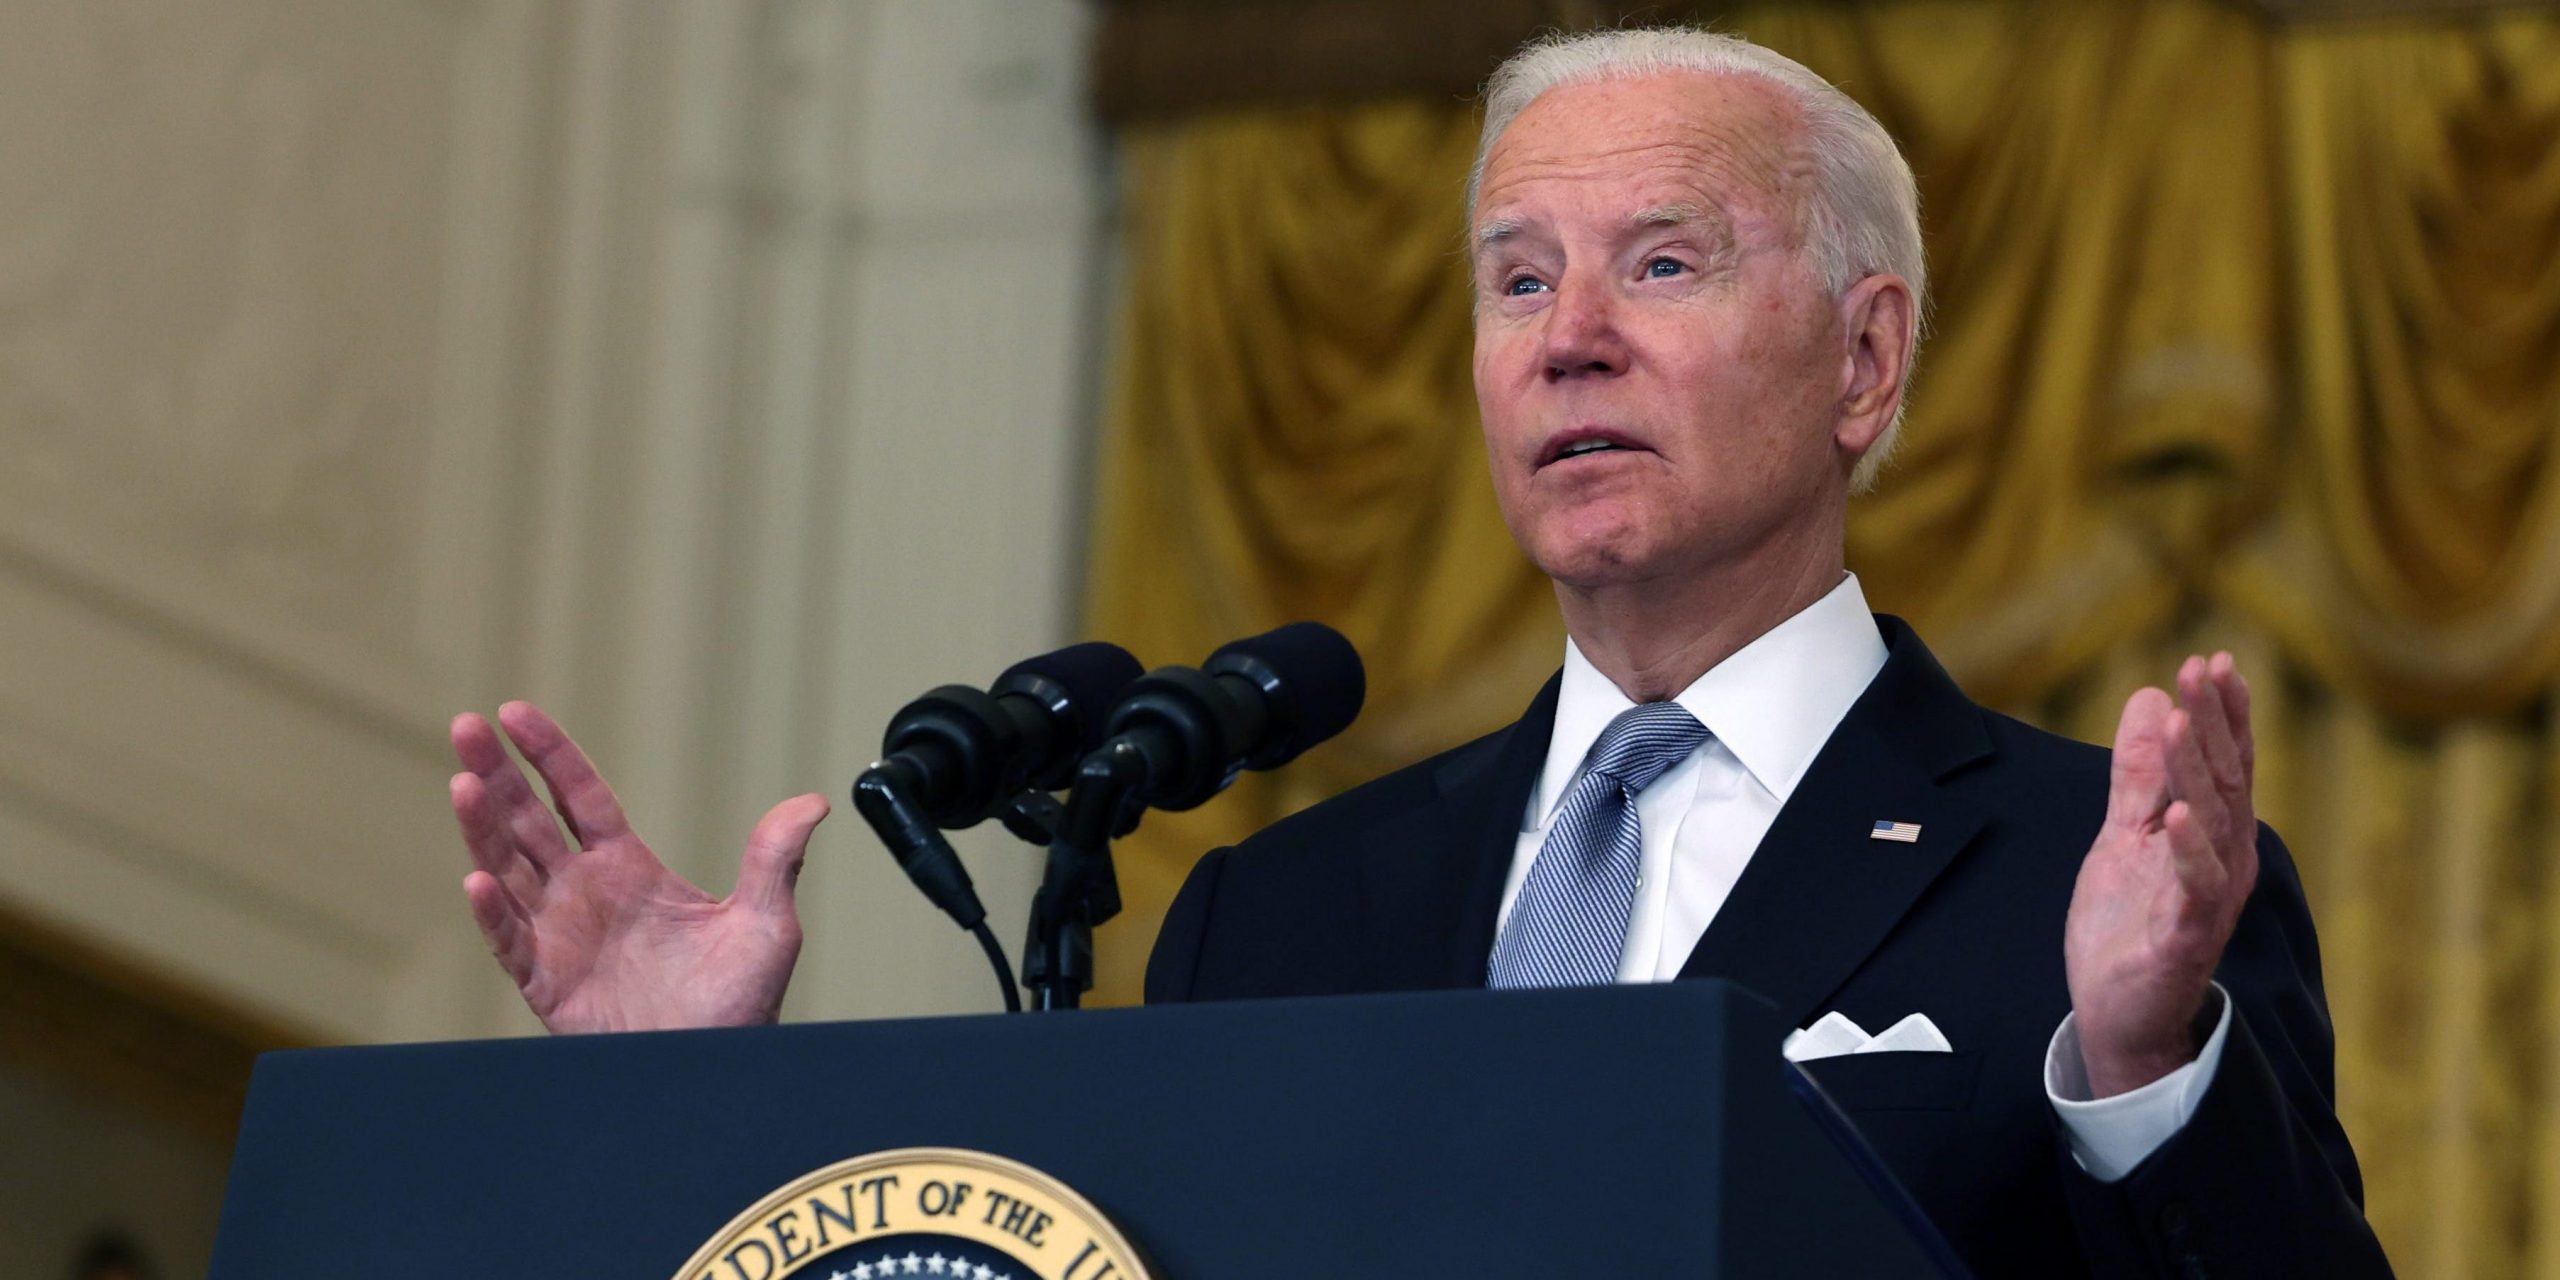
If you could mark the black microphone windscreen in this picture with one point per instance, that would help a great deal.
(1321, 679)
(1093, 675)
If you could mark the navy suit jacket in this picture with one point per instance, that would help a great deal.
(1395, 886)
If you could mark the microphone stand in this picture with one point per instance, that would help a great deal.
(1079, 889)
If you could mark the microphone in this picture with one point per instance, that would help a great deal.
(962, 753)
(1257, 703)
(951, 757)
(1178, 737)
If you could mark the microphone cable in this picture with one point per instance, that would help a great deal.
(1004, 967)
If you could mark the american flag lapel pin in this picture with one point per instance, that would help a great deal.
(1902, 832)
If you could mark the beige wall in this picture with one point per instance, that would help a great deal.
(715, 373)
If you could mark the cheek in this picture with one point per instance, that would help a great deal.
(1777, 382)
(1751, 430)
(1499, 384)
(1499, 349)
(1781, 340)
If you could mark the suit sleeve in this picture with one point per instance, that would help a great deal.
(2261, 1180)
(1174, 965)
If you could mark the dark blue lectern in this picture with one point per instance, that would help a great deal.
(1621, 1131)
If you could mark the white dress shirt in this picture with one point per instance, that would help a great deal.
(1768, 709)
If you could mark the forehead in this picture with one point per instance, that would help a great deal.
(1729, 139)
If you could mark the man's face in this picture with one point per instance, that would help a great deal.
(1641, 283)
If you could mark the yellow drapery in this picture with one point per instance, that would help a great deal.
(2247, 337)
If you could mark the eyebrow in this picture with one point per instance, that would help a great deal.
(1669, 215)
(1494, 231)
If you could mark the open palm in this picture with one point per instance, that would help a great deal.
(598, 934)
(2164, 884)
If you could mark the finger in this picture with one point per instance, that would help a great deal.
(577, 790)
(2212, 722)
(770, 871)
(503, 924)
(493, 850)
(2191, 852)
(2190, 778)
(2235, 699)
(2138, 777)
(475, 743)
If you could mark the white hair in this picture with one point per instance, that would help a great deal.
(1863, 218)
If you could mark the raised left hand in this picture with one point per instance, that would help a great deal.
(2163, 886)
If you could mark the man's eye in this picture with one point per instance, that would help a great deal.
(1660, 267)
(1521, 285)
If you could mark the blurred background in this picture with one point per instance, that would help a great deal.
(723, 374)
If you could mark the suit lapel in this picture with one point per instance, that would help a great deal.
(1821, 893)
(1432, 890)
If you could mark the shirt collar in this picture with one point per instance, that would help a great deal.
(1773, 703)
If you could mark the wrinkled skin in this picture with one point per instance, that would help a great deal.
(598, 934)
(1641, 277)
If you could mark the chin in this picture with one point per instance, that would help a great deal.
(1586, 560)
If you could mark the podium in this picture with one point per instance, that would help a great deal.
(1621, 1131)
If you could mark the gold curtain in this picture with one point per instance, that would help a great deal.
(2247, 336)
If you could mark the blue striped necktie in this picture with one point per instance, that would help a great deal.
(1568, 927)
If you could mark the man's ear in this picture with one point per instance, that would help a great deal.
(1880, 324)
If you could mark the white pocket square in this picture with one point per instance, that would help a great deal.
(1833, 1034)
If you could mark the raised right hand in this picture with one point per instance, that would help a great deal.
(597, 932)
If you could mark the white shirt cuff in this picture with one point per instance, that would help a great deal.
(2109, 1136)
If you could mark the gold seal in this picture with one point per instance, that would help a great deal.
(920, 1211)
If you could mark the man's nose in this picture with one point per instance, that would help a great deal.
(1582, 339)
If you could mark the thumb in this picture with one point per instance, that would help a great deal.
(770, 870)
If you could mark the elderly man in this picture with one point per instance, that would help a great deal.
(1699, 291)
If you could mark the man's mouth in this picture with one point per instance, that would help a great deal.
(1586, 443)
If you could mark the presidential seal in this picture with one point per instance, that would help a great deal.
(920, 1211)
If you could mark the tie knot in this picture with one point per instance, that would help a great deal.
(1644, 741)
